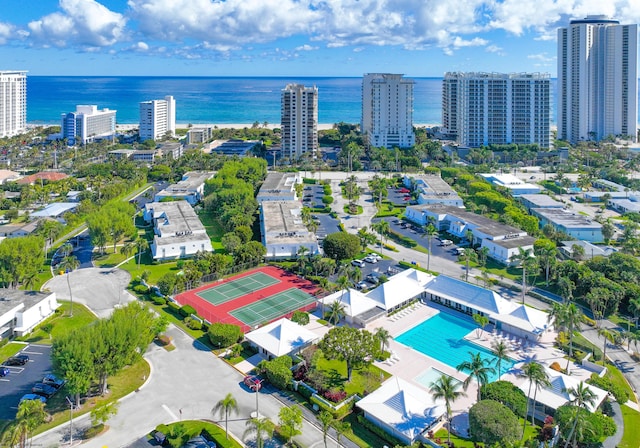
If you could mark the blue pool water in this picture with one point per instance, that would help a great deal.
(442, 338)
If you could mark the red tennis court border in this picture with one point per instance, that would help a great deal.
(220, 313)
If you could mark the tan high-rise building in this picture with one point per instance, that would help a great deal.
(13, 103)
(299, 120)
(597, 79)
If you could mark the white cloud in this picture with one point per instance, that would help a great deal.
(542, 57)
(86, 23)
(5, 32)
(493, 49)
(306, 47)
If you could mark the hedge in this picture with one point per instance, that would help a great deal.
(278, 371)
(618, 392)
(187, 310)
(338, 414)
(384, 435)
(159, 300)
(224, 335)
(401, 239)
(327, 199)
(173, 306)
(309, 181)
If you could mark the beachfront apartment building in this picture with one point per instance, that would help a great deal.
(88, 124)
(387, 110)
(597, 79)
(157, 118)
(13, 102)
(178, 230)
(299, 121)
(479, 109)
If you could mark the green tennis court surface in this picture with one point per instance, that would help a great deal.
(239, 287)
(273, 306)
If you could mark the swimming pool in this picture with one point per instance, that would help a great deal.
(442, 338)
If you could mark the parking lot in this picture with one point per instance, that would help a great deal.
(22, 378)
(397, 196)
(410, 231)
(312, 196)
(326, 224)
(386, 267)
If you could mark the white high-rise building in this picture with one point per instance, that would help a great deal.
(387, 110)
(597, 79)
(480, 109)
(88, 124)
(13, 103)
(157, 117)
(299, 120)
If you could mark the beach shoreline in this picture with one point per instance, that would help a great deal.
(321, 126)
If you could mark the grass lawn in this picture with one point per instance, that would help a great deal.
(530, 433)
(581, 340)
(618, 378)
(176, 319)
(631, 435)
(109, 259)
(157, 270)
(214, 230)
(357, 211)
(195, 427)
(61, 322)
(126, 381)
(360, 435)
(9, 350)
(367, 379)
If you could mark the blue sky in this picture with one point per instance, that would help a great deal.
(288, 37)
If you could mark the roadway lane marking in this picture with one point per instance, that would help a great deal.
(166, 408)
(4, 379)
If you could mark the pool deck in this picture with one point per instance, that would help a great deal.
(408, 363)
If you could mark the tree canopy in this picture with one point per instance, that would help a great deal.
(341, 245)
(349, 344)
(492, 422)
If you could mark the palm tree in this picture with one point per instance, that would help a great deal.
(336, 311)
(326, 420)
(355, 275)
(68, 264)
(524, 257)
(482, 322)
(536, 375)
(128, 249)
(340, 427)
(430, 231)
(607, 335)
(262, 428)
(566, 315)
(383, 228)
(382, 335)
(142, 246)
(225, 407)
(302, 250)
(583, 397)
(501, 350)
(478, 368)
(446, 388)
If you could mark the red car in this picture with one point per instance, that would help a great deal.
(406, 198)
(253, 382)
(404, 190)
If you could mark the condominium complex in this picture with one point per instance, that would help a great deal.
(157, 118)
(13, 103)
(299, 120)
(597, 79)
(88, 124)
(387, 110)
(480, 109)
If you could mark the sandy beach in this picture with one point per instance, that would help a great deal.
(321, 126)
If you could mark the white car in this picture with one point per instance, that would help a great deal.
(370, 259)
(358, 263)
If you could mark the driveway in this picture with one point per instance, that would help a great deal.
(101, 289)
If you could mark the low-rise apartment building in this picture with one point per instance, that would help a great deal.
(283, 232)
(279, 187)
(433, 190)
(190, 188)
(573, 224)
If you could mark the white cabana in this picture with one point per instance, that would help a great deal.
(355, 303)
(282, 337)
(402, 409)
(400, 289)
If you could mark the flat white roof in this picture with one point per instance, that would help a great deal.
(567, 219)
(56, 209)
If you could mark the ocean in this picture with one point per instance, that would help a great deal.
(220, 100)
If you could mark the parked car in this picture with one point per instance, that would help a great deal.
(446, 243)
(53, 381)
(459, 250)
(4, 371)
(44, 390)
(404, 190)
(362, 285)
(376, 256)
(26, 397)
(370, 259)
(17, 360)
(358, 263)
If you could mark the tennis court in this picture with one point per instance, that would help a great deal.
(272, 307)
(239, 287)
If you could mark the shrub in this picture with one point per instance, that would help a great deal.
(300, 317)
(327, 199)
(309, 181)
(335, 395)
(159, 300)
(588, 321)
(93, 431)
(492, 422)
(164, 340)
(337, 414)
(506, 393)
(224, 335)
(194, 324)
(47, 327)
(601, 425)
(187, 310)
(173, 306)
(279, 371)
(618, 392)
(305, 391)
(326, 188)
(377, 430)
(141, 289)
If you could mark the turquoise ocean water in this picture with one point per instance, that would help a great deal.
(212, 99)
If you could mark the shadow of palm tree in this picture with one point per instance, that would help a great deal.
(334, 379)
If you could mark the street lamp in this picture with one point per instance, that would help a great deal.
(256, 388)
(70, 420)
